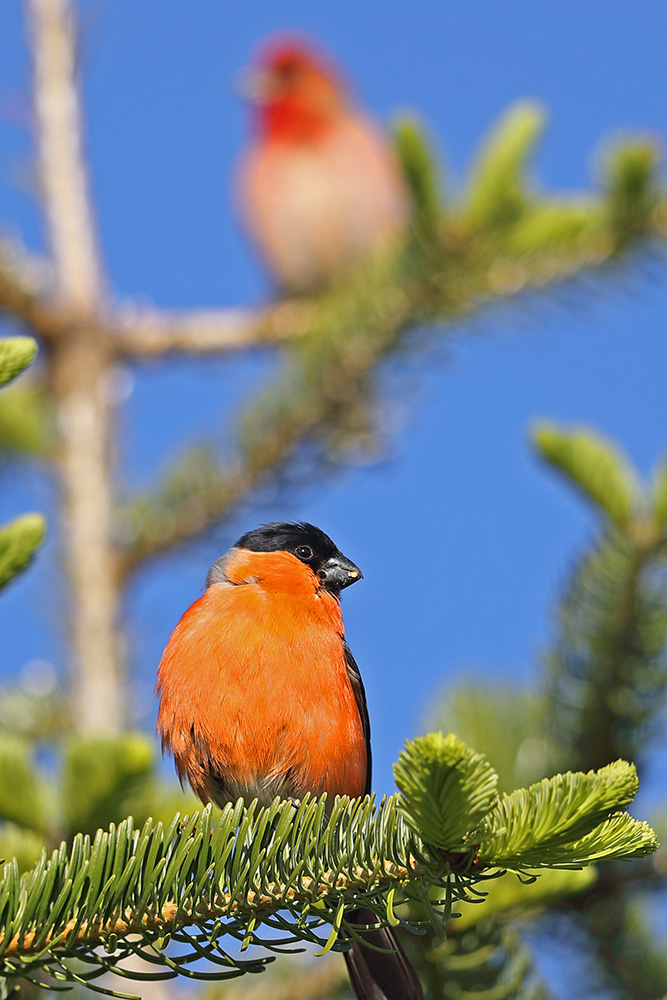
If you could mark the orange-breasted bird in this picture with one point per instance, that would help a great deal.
(261, 697)
(319, 186)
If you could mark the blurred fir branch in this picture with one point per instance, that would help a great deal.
(105, 777)
(503, 239)
(506, 722)
(508, 898)
(293, 869)
(22, 792)
(26, 422)
(33, 710)
(16, 353)
(20, 539)
(617, 932)
(607, 665)
(308, 979)
(484, 962)
(54, 785)
(659, 493)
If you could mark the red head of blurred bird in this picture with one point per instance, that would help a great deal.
(319, 186)
(260, 697)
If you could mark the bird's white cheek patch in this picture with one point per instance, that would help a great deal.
(225, 571)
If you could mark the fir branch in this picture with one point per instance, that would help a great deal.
(287, 868)
(159, 882)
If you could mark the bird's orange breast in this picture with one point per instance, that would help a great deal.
(255, 696)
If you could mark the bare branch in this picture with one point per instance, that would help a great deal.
(25, 284)
(148, 333)
(139, 332)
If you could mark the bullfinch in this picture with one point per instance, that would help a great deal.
(261, 697)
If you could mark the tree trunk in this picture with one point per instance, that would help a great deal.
(80, 363)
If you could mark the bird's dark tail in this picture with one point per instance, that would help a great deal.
(376, 975)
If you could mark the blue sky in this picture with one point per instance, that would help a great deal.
(462, 537)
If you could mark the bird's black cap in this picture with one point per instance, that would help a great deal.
(283, 536)
(309, 544)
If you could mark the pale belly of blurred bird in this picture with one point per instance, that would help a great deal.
(317, 208)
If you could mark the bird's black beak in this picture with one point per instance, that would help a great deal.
(338, 573)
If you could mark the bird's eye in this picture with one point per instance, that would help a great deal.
(304, 552)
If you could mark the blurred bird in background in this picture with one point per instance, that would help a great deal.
(261, 697)
(319, 185)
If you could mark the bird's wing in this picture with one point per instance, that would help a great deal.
(360, 698)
